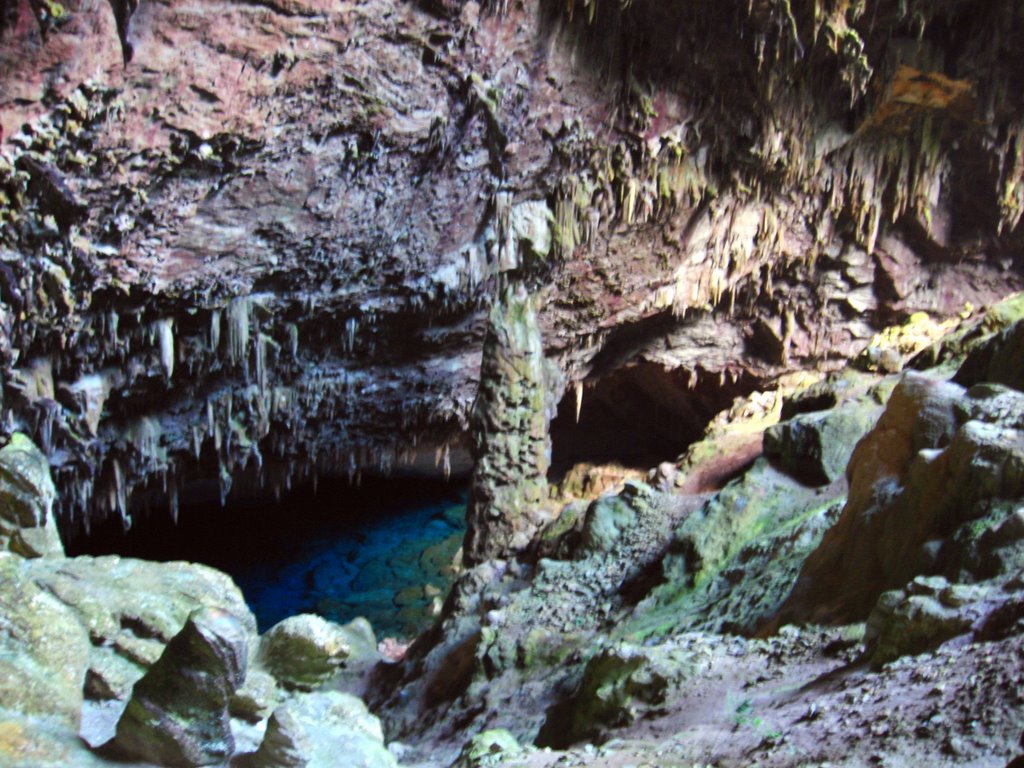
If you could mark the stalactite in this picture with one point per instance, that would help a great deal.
(215, 321)
(239, 317)
(351, 328)
(165, 335)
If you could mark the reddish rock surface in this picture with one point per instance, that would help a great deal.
(345, 165)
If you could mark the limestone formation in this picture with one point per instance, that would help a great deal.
(510, 431)
(256, 699)
(490, 748)
(619, 683)
(178, 712)
(817, 446)
(294, 285)
(999, 361)
(938, 460)
(27, 496)
(132, 609)
(928, 612)
(244, 245)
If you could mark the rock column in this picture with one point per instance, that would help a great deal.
(510, 431)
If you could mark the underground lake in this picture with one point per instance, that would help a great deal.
(383, 550)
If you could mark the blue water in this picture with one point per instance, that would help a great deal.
(382, 551)
(388, 570)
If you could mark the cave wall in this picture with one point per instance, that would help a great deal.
(263, 245)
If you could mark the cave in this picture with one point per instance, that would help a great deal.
(383, 549)
(639, 416)
(659, 364)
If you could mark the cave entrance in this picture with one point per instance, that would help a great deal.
(640, 415)
(383, 550)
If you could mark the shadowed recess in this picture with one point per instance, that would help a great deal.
(383, 550)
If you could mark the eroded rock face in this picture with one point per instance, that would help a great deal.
(131, 609)
(488, 749)
(940, 464)
(817, 447)
(44, 650)
(272, 258)
(178, 712)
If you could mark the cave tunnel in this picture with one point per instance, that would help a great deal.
(383, 549)
(639, 415)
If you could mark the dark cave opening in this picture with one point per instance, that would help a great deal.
(640, 415)
(382, 550)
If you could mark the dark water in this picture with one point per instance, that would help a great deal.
(382, 551)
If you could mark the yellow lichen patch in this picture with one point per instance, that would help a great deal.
(588, 481)
(918, 332)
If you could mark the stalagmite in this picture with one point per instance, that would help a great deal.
(511, 446)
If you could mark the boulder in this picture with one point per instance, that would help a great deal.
(31, 741)
(619, 684)
(27, 494)
(132, 608)
(178, 712)
(44, 649)
(304, 651)
(816, 447)
(322, 730)
(606, 519)
(903, 623)
(256, 699)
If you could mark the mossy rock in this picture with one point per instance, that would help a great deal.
(955, 346)
(542, 648)
(606, 520)
(733, 562)
(619, 684)
(44, 649)
(303, 652)
(178, 712)
(42, 742)
(914, 620)
(1000, 360)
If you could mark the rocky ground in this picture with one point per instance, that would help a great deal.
(647, 624)
(680, 628)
